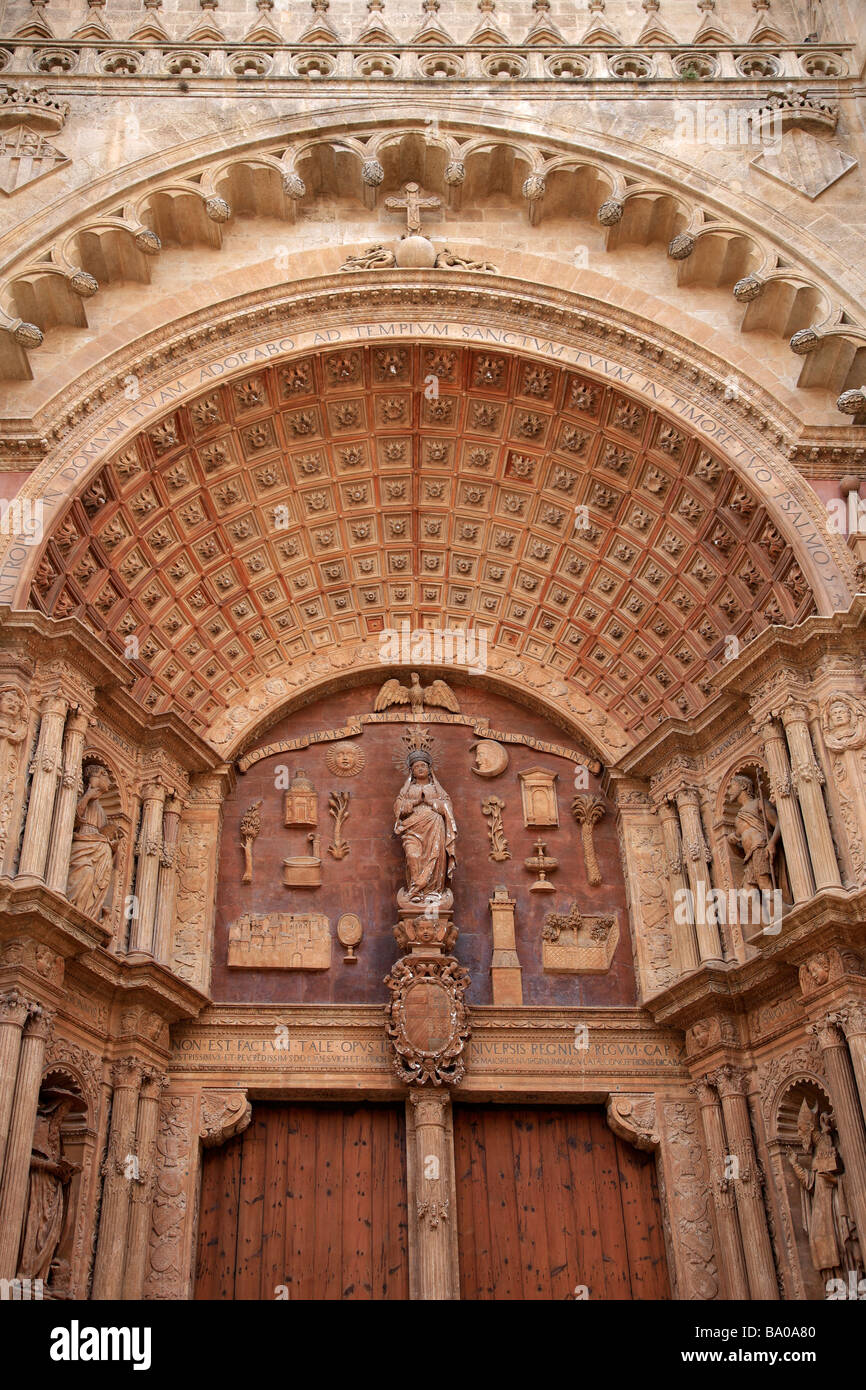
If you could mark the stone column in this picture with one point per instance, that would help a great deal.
(149, 853)
(696, 857)
(16, 1170)
(808, 779)
(434, 1211)
(684, 939)
(846, 1109)
(141, 1195)
(793, 839)
(505, 972)
(46, 770)
(167, 879)
(733, 1268)
(118, 1171)
(57, 871)
(853, 1017)
(13, 1015)
(757, 1249)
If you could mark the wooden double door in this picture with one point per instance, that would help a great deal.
(311, 1202)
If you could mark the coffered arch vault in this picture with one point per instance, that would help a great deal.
(264, 532)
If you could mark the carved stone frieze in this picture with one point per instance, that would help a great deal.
(167, 1274)
(687, 1190)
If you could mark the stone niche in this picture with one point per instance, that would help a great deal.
(365, 881)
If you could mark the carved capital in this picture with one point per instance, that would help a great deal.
(54, 703)
(768, 732)
(793, 712)
(153, 791)
(853, 1017)
(729, 1080)
(153, 1083)
(40, 1022)
(828, 1030)
(14, 1009)
(431, 1107)
(223, 1115)
(126, 1073)
(704, 1090)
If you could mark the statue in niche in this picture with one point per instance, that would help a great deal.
(756, 833)
(50, 1174)
(832, 1235)
(94, 845)
(426, 825)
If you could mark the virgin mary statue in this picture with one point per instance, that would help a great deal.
(425, 823)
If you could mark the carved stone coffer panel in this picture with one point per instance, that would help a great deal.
(280, 941)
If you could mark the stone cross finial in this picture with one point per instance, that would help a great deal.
(413, 203)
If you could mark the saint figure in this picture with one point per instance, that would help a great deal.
(49, 1174)
(756, 833)
(832, 1239)
(93, 846)
(425, 823)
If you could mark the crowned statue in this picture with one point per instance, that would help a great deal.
(424, 821)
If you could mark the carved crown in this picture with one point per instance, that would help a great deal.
(35, 108)
(793, 108)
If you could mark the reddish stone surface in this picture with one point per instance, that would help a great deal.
(366, 881)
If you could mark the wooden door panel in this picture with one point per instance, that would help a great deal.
(548, 1198)
(312, 1197)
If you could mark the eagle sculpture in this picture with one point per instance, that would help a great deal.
(416, 695)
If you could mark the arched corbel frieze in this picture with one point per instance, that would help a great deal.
(711, 249)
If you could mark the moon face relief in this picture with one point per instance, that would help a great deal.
(491, 758)
(345, 759)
